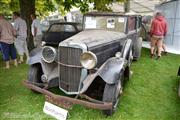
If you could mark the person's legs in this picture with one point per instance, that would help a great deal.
(37, 40)
(5, 52)
(153, 45)
(19, 46)
(13, 54)
(164, 49)
(159, 45)
(26, 51)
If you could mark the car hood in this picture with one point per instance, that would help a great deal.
(94, 37)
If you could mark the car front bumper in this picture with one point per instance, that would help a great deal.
(67, 102)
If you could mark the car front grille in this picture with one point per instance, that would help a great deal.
(69, 76)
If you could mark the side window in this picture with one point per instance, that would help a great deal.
(131, 23)
(56, 28)
(69, 28)
(79, 27)
(62, 28)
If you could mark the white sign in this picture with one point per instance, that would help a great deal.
(55, 111)
(90, 23)
(120, 19)
(110, 23)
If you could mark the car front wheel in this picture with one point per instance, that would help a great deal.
(35, 73)
(112, 94)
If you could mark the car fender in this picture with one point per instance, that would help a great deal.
(111, 69)
(35, 56)
(109, 72)
(49, 69)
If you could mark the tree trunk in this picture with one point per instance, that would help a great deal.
(27, 7)
(127, 6)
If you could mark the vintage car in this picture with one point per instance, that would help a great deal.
(42, 69)
(93, 64)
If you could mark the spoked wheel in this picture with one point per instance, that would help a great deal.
(34, 76)
(112, 94)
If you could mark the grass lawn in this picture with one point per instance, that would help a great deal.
(151, 94)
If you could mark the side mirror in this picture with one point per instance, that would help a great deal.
(118, 54)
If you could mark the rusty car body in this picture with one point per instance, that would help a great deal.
(93, 64)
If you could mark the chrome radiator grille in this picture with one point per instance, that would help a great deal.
(69, 76)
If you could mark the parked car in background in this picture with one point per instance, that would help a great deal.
(43, 70)
(92, 64)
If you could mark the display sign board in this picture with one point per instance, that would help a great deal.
(55, 111)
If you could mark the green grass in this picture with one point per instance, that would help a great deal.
(151, 94)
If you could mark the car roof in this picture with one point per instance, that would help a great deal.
(94, 13)
(67, 23)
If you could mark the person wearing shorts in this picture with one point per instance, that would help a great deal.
(158, 31)
(7, 41)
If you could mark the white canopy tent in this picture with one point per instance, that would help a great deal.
(171, 12)
(170, 9)
(143, 7)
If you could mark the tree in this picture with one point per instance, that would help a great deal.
(27, 7)
(42, 7)
(127, 6)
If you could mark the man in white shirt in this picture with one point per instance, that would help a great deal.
(36, 30)
(21, 34)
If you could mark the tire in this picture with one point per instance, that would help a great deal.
(112, 94)
(179, 90)
(130, 56)
(127, 73)
(137, 49)
(179, 82)
(34, 76)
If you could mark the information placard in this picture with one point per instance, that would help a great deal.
(55, 111)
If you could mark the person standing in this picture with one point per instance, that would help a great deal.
(158, 31)
(36, 30)
(21, 34)
(7, 41)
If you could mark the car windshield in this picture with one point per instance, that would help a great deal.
(111, 23)
(62, 28)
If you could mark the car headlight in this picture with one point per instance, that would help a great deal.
(49, 54)
(88, 60)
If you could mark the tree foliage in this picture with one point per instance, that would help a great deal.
(7, 6)
(83, 5)
(43, 7)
